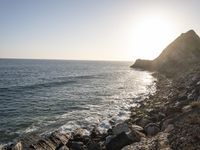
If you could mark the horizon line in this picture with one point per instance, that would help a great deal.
(62, 59)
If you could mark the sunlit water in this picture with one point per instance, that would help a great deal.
(40, 96)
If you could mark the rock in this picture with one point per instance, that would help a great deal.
(182, 96)
(94, 146)
(109, 138)
(44, 144)
(135, 135)
(63, 148)
(77, 145)
(18, 146)
(176, 58)
(137, 128)
(169, 128)
(86, 140)
(158, 117)
(1, 147)
(143, 121)
(59, 138)
(121, 127)
(95, 133)
(151, 129)
(186, 108)
(198, 99)
(165, 123)
(118, 142)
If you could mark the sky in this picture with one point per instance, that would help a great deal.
(93, 29)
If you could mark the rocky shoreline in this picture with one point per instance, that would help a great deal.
(169, 119)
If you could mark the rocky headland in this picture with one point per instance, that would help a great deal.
(167, 120)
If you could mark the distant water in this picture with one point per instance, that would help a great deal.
(40, 96)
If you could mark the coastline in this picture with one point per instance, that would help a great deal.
(164, 120)
(154, 124)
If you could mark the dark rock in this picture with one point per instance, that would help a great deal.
(63, 148)
(122, 139)
(151, 129)
(119, 142)
(143, 121)
(119, 128)
(94, 146)
(77, 146)
(95, 133)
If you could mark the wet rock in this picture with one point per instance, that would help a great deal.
(198, 99)
(63, 148)
(44, 144)
(109, 138)
(143, 121)
(77, 146)
(121, 127)
(59, 138)
(109, 132)
(119, 142)
(18, 146)
(151, 129)
(94, 146)
(95, 133)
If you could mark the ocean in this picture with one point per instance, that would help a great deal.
(41, 96)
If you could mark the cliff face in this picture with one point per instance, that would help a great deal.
(177, 56)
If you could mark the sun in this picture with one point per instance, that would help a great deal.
(151, 34)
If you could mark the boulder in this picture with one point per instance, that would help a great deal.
(118, 142)
(164, 124)
(94, 146)
(59, 138)
(95, 133)
(77, 145)
(123, 139)
(151, 129)
(63, 148)
(17, 146)
(119, 128)
(143, 121)
(44, 144)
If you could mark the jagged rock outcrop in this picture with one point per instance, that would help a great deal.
(178, 56)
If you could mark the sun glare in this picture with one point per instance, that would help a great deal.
(150, 36)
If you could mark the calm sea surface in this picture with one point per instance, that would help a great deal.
(40, 96)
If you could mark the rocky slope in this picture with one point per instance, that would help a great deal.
(178, 56)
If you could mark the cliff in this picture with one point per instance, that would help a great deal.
(182, 53)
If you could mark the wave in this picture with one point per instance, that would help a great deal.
(37, 86)
(59, 81)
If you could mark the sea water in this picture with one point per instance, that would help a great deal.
(41, 96)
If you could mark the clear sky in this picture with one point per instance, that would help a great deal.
(93, 29)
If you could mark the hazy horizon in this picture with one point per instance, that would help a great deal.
(112, 30)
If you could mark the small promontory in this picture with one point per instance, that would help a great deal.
(178, 56)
